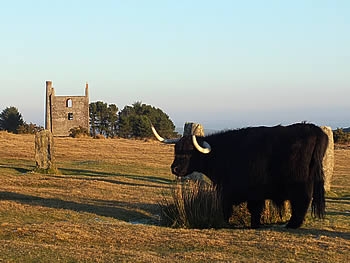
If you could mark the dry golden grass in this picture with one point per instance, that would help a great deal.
(103, 207)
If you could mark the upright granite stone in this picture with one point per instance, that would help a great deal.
(328, 160)
(44, 152)
(197, 129)
(191, 128)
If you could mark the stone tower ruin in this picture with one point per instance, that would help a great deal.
(65, 112)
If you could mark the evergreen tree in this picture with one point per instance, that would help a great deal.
(103, 118)
(134, 121)
(112, 118)
(124, 127)
(93, 119)
(11, 119)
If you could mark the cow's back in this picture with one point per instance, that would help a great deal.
(264, 155)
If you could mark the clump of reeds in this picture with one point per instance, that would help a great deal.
(192, 205)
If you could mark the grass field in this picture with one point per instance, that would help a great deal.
(103, 207)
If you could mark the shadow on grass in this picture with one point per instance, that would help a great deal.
(92, 173)
(343, 201)
(21, 170)
(339, 200)
(96, 175)
(338, 213)
(317, 233)
(132, 213)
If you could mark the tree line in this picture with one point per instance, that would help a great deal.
(131, 122)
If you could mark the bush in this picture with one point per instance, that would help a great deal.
(99, 136)
(78, 132)
(341, 137)
(29, 128)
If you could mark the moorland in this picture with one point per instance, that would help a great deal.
(103, 206)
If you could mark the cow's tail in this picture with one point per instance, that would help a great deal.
(318, 204)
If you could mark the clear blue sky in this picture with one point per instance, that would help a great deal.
(225, 64)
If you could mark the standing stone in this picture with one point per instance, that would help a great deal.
(44, 152)
(191, 128)
(197, 129)
(328, 160)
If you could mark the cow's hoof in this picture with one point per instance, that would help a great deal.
(293, 225)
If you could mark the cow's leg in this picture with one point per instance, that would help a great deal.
(227, 210)
(226, 203)
(300, 202)
(255, 208)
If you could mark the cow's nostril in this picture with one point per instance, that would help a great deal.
(174, 169)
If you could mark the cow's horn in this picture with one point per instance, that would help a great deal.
(206, 146)
(160, 138)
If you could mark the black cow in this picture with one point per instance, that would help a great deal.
(253, 164)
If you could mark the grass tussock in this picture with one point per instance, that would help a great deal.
(192, 204)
